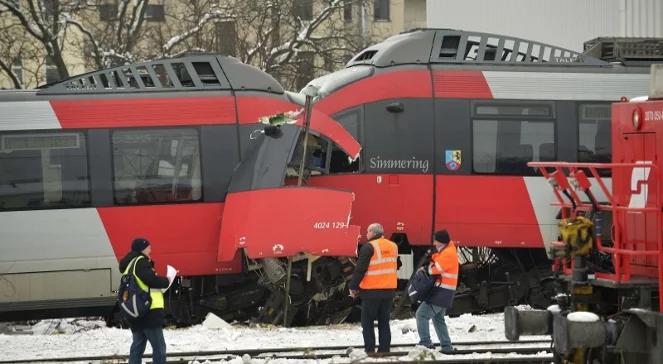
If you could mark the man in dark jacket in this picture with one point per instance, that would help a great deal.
(444, 265)
(374, 280)
(149, 327)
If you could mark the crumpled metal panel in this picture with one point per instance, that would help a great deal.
(285, 221)
(265, 166)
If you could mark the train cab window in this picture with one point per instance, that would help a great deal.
(340, 163)
(40, 170)
(317, 156)
(156, 166)
(511, 136)
(594, 144)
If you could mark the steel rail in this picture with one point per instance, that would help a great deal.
(303, 352)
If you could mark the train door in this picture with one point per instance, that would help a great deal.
(398, 161)
(393, 182)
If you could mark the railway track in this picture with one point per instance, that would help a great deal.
(532, 351)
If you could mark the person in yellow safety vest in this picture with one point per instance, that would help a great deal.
(374, 281)
(443, 263)
(149, 327)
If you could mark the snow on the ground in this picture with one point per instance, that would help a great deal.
(79, 337)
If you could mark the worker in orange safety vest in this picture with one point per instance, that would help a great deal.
(444, 264)
(374, 281)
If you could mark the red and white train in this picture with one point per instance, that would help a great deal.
(448, 121)
(428, 129)
(150, 150)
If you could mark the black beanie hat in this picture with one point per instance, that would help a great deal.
(442, 236)
(139, 244)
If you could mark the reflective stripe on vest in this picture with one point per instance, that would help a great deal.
(382, 269)
(156, 295)
(446, 264)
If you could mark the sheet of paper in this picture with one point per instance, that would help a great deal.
(171, 273)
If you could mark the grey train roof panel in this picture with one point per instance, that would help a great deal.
(464, 47)
(628, 51)
(186, 73)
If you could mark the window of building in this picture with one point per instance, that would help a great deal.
(17, 69)
(107, 12)
(347, 11)
(594, 144)
(49, 7)
(40, 170)
(510, 136)
(330, 65)
(155, 12)
(305, 69)
(52, 74)
(303, 9)
(276, 25)
(226, 38)
(153, 166)
(381, 10)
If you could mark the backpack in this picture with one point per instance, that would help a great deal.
(420, 286)
(133, 301)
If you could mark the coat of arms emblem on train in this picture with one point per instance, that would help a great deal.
(453, 159)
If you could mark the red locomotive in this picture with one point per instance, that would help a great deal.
(610, 308)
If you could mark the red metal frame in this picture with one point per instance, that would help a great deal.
(568, 178)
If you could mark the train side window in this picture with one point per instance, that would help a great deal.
(40, 170)
(156, 166)
(507, 135)
(594, 143)
(505, 146)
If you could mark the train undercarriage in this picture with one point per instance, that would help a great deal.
(489, 281)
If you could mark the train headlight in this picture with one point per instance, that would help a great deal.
(637, 119)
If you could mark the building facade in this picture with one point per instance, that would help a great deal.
(564, 23)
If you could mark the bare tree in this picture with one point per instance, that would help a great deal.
(9, 55)
(282, 37)
(114, 39)
(45, 21)
(291, 39)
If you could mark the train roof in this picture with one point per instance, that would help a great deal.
(186, 73)
(449, 46)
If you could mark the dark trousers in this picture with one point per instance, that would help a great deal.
(140, 338)
(376, 309)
